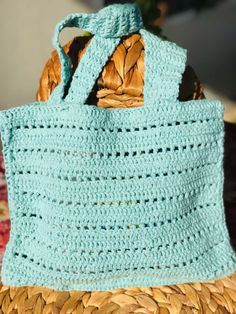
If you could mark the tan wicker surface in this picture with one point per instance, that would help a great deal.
(214, 297)
(121, 83)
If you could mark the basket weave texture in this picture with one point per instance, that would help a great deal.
(215, 297)
(120, 85)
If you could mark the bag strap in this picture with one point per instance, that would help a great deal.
(108, 26)
(91, 65)
(165, 63)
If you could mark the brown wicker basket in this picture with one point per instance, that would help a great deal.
(120, 86)
(121, 83)
(214, 297)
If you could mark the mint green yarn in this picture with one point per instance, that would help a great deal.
(103, 199)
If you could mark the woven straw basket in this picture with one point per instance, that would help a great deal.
(120, 85)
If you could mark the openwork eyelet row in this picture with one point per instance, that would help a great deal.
(117, 129)
(118, 227)
(132, 250)
(173, 266)
(104, 203)
(85, 154)
(112, 178)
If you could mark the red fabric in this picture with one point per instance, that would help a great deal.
(3, 186)
(4, 234)
(4, 222)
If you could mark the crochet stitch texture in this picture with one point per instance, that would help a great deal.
(102, 199)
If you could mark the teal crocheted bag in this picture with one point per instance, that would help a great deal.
(102, 199)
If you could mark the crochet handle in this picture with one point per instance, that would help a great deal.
(108, 26)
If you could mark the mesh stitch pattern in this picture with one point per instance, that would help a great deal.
(103, 199)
